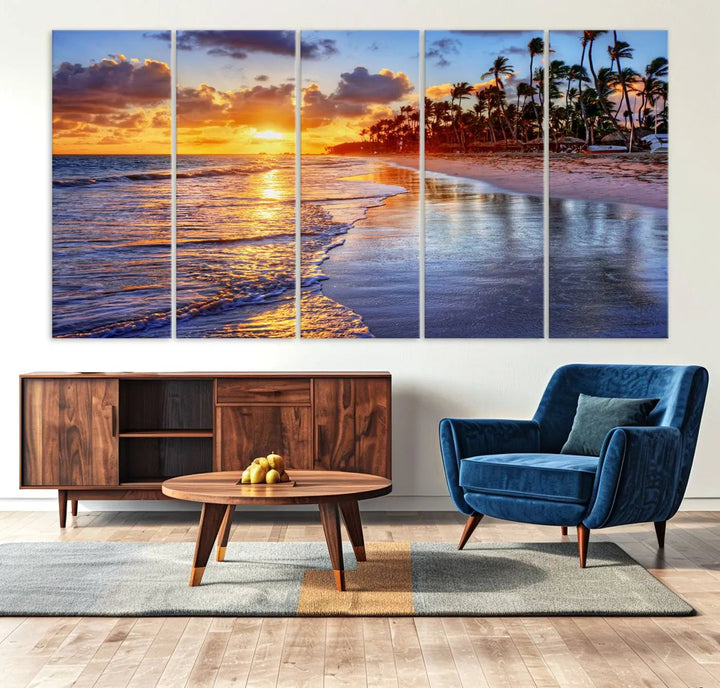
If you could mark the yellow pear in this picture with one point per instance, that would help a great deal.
(272, 477)
(245, 476)
(262, 461)
(257, 473)
(276, 462)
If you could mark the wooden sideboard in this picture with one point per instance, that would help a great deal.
(119, 435)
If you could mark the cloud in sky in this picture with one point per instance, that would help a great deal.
(239, 44)
(359, 86)
(441, 49)
(440, 91)
(356, 94)
(109, 85)
(116, 100)
(269, 107)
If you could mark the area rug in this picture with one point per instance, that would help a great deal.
(295, 579)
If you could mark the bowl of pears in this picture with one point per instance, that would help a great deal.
(266, 470)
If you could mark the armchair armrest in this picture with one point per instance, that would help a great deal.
(461, 438)
(637, 476)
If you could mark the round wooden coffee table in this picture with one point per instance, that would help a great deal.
(334, 492)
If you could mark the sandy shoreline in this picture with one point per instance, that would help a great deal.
(638, 178)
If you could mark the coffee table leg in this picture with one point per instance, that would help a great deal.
(351, 516)
(224, 532)
(210, 519)
(331, 525)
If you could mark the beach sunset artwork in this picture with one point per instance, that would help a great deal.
(111, 188)
(236, 183)
(360, 184)
(608, 118)
(484, 184)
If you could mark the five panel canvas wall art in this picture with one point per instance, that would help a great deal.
(331, 239)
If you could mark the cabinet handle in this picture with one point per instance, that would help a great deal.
(113, 417)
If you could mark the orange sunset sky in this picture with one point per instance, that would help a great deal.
(235, 89)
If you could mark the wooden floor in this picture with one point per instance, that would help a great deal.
(471, 652)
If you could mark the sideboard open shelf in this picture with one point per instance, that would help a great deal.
(120, 435)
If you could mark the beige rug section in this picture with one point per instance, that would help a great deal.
(381, 586)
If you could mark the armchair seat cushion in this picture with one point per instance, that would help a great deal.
(554, 477)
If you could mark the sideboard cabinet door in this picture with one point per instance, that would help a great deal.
(246, 432)
(69, 432)
(352, 424)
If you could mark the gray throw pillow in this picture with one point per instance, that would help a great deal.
(596, 416)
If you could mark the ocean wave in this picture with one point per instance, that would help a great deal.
(154, 325)
(257, 240)
(225, 171)
(229, 300)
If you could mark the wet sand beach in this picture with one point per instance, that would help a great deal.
(637, 178)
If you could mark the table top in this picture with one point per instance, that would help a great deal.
(311, 487)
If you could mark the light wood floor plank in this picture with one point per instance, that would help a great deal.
(158, 655)
(497, 653)
(631, 670)
(467, 665)
(103, 657)
(658, 649)
(344, 653)
(210, 655)
(130, 654)
(531, 654)
(179, 666)
(268, 653)
(568, 671)
(237, 660)
(409, 663)
(380, 667)
(579, 646)
(439, 661)
(303, 658)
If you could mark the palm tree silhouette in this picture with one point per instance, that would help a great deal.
(536, 46)
(458, 92)
(500, 67)
(589, 37)
(618, 50)
(652, 87)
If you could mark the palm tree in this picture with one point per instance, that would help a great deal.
(484, 105)
(536, 46)
(583, 113)
(575, 73)
(459, 91)
(621, 49)
(500, 67)
(652, 85)
(524, 91)
(589, 38)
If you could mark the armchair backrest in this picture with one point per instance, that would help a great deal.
(681, 390)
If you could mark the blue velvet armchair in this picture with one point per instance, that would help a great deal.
(514, 470)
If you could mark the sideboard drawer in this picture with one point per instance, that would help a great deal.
(270, 390)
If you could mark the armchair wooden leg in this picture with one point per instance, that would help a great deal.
(563, 530)
(660, 532)
(583, 535)
(470, 525)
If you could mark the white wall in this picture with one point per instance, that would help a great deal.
(431, 379)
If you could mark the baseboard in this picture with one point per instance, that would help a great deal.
(388, 503)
